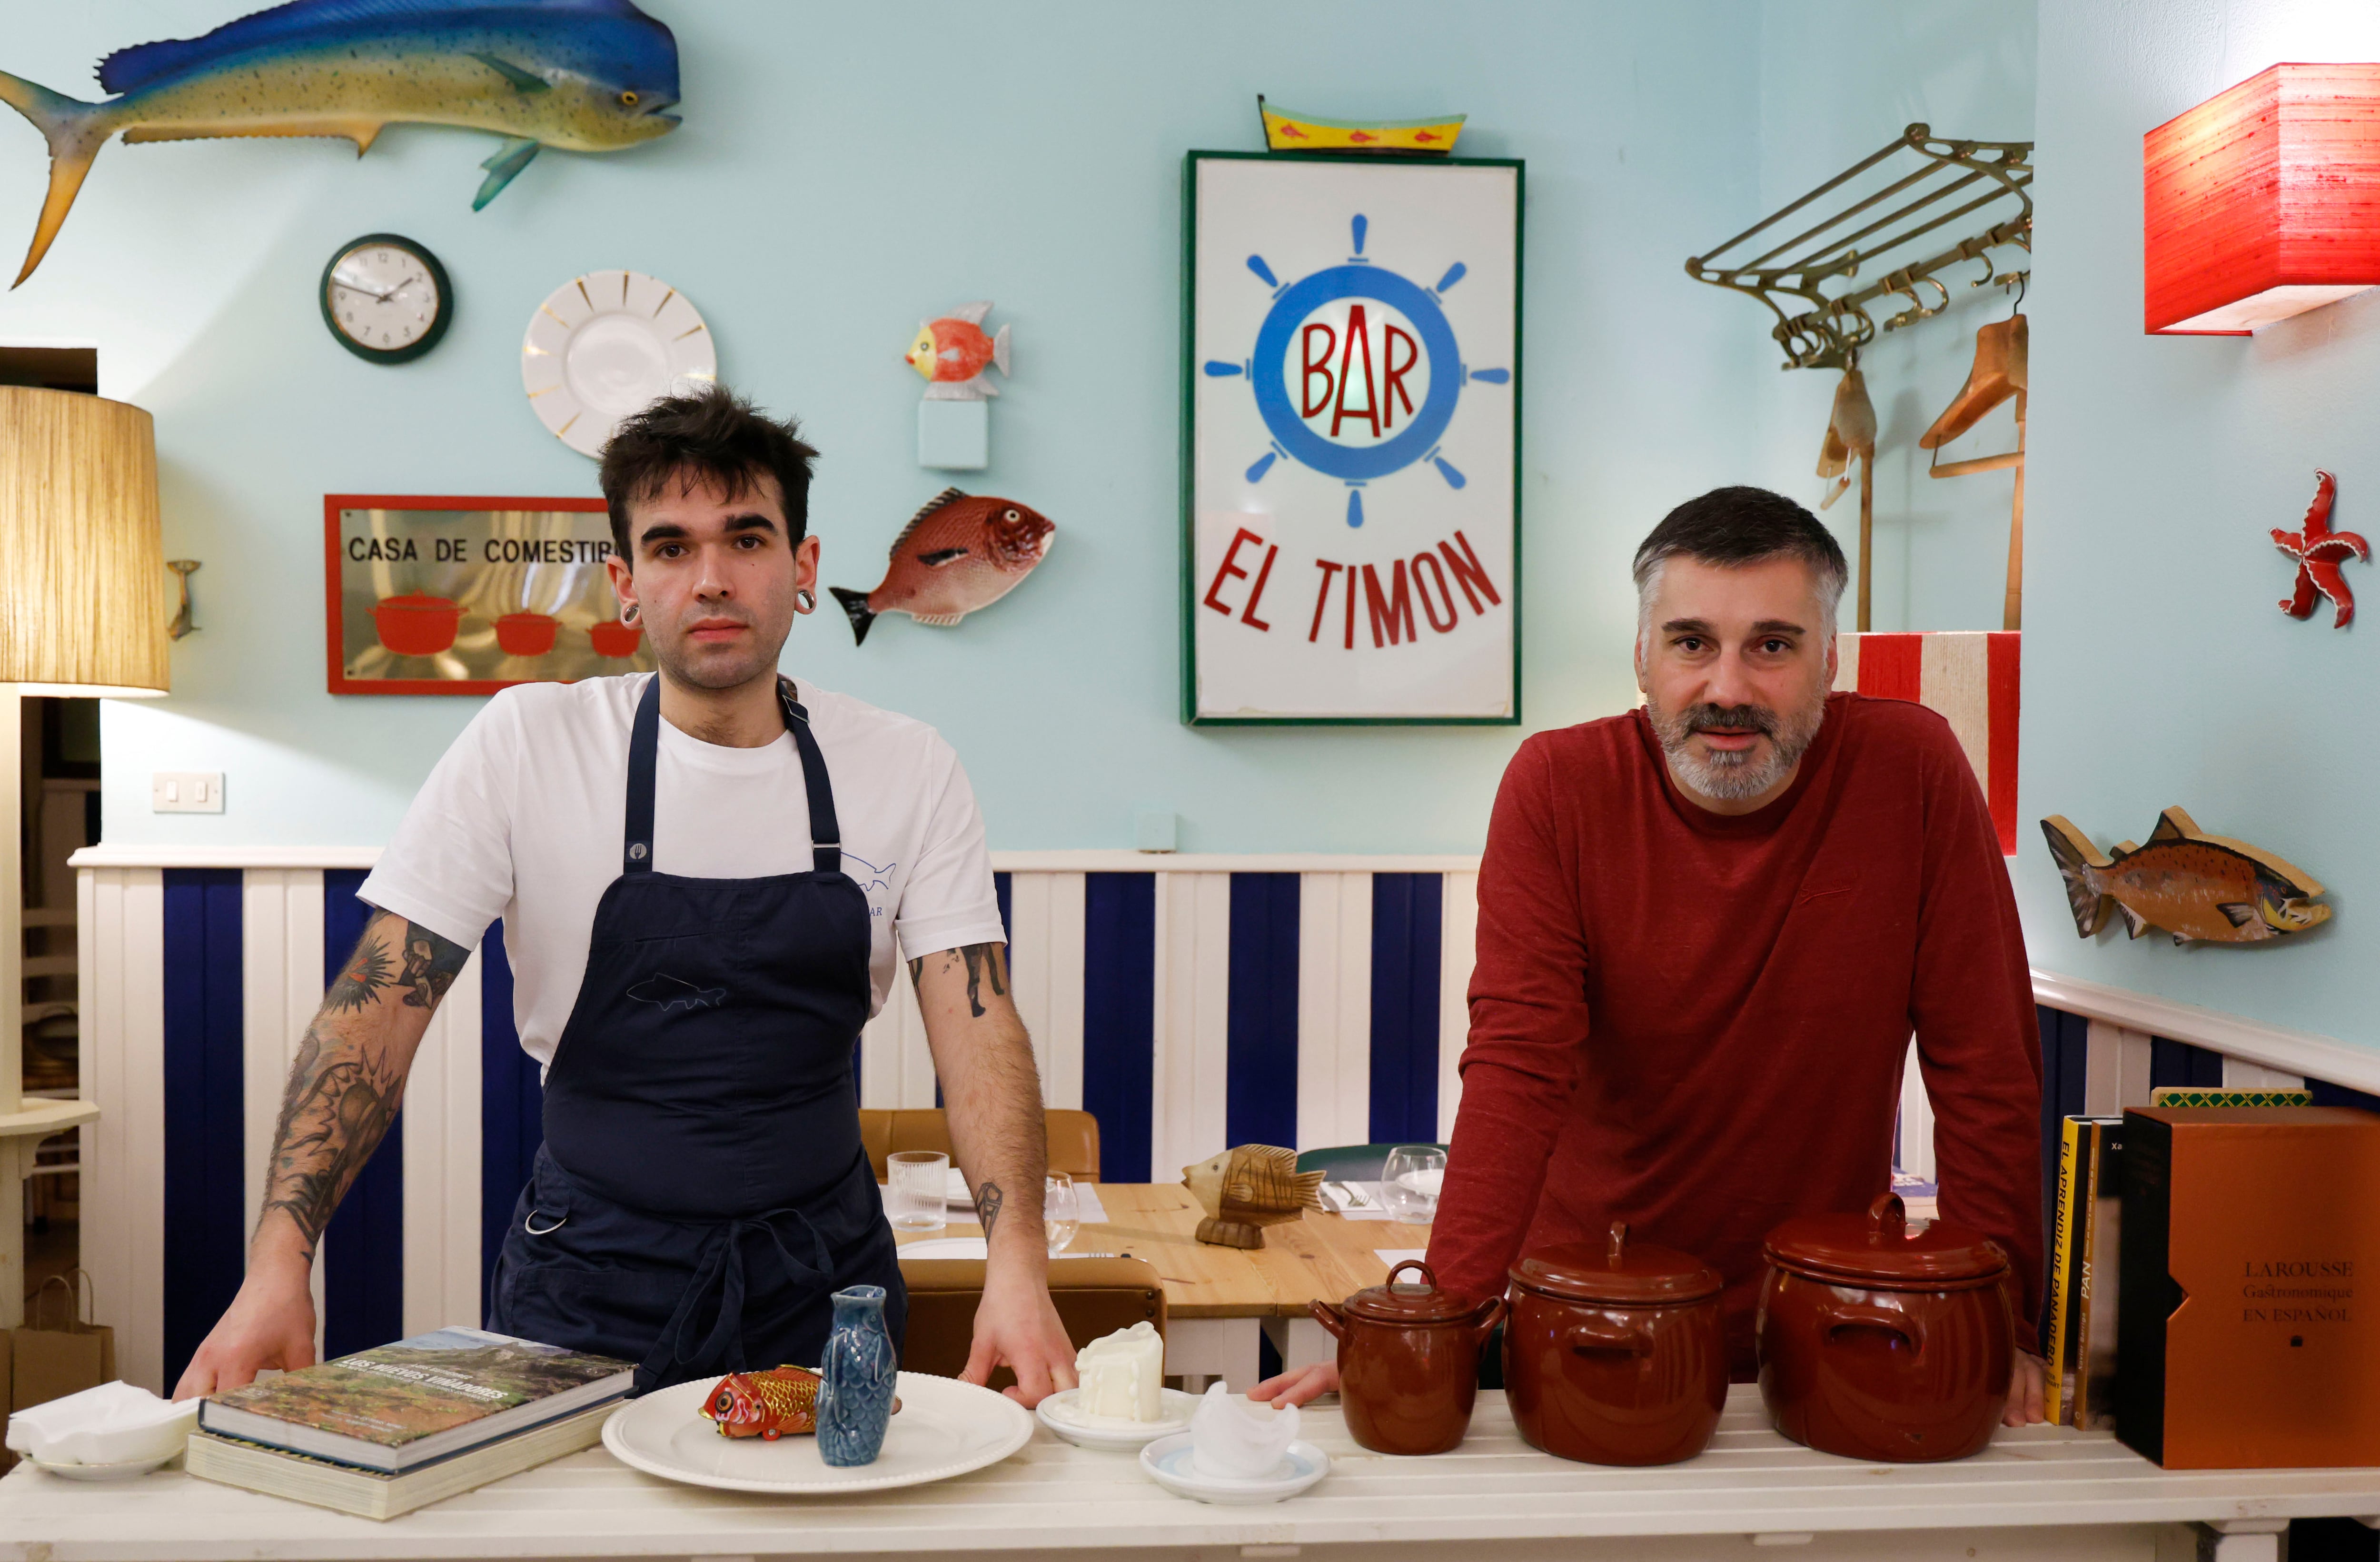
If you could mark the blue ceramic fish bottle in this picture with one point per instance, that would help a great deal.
(855, 1401)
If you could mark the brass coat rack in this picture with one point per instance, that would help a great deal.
(1885, 225)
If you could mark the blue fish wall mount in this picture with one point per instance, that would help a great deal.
(580, 75)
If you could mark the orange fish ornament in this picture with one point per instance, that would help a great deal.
(765, 1405)
(2190, 883)
(952, 353)
(962, 552)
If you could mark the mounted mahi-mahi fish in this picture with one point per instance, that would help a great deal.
(581, 75)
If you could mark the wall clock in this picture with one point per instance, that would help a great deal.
(608, 344)
(386, 299)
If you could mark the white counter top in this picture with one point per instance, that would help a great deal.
(1054, 1496)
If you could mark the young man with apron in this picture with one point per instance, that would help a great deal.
(707, 877)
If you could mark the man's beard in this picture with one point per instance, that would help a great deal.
(692, 671)
(1733, 777)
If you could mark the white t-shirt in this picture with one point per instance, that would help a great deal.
(524, 819)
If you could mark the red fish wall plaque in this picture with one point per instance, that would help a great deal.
(2320, 552)
(962, 552)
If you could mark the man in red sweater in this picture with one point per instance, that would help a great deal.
(1706, 931)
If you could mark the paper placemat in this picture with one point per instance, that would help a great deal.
(1086, 1194)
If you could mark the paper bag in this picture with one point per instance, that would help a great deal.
(58, 1350)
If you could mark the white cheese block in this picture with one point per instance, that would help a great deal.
(1118, 1376)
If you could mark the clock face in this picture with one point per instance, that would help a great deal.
(385, 299)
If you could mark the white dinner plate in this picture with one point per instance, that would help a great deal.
(1057, 1414)
(961, 1247)
(944, 1428)
(1167, 1461)
(608, 344)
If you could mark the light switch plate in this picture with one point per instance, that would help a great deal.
(186, 792)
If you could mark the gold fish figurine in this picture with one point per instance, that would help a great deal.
(1245, 1189)
(2190, 883)
(953, 352)
(765, 1405)
(962, 552)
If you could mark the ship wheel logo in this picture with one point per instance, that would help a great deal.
(1356, 372)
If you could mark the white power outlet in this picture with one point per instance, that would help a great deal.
(186, 792)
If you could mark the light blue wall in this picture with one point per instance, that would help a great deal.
(2157, 668)
(844, 170)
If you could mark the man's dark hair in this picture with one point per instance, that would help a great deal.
(1730, 527)
(710, 436)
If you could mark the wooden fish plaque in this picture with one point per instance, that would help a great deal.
(2184, 882)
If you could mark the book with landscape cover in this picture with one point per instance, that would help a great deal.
(375, 1493)
(398, 1406)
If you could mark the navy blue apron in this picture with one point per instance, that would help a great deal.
(702, 1189)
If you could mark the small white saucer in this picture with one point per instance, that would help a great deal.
(1057, 1414)
(1167, 1460)
(103, 1471)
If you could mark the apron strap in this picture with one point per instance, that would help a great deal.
(719, 1273)
(644, 748)
(826, 834)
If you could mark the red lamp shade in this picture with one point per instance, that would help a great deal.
(2264, 202)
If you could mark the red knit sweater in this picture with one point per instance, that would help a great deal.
(1696, 1023)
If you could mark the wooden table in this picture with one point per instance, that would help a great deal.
(1218, 1301)
(2037, 1493)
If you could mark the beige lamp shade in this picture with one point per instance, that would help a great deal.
(82, 561)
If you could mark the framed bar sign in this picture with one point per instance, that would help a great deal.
(1351, 393)
(469, 596)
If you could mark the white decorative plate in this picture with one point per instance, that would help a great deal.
(1167, 1460)
(944, 1428)
(608, 344)
(1057, 1414)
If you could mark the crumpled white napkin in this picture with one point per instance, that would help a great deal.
(1233, 1437)
(114, 1424)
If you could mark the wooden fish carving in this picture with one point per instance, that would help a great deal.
(2185, 882)
(1245, 1189)
(582, 75)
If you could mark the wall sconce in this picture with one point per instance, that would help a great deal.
(2264, 202)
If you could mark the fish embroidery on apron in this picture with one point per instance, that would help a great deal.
(702, 1189)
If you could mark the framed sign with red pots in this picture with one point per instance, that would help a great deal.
(440, 596)
(1409, 1360)
(1615, 1353)
(1885, 1340)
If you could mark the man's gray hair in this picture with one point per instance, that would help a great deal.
(1733, 527)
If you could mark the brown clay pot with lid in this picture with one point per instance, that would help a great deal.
(1880, 1340)
(1615, 1354)
(1409, 1360)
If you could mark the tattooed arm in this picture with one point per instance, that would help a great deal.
(343, 1095)
(993, 1096)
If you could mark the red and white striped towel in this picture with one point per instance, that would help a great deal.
(1970, 678)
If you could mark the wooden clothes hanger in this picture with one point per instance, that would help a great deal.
(1999, 373)
(1850, 435)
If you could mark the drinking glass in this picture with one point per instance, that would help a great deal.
(1062, 1211)
(916, 1190)
(1410, 1180)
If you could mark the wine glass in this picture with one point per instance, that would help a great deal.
(1410, 1180)
(1062, 1211)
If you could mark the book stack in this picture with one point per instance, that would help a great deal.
(387, 1430)
(2078, 1332)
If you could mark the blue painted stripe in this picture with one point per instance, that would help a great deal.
(1406, 929)
(205, 1196)
(2178, 1063)
(1119, 1017)
(363, 1260)
(1260, 1088)
(512, 1106)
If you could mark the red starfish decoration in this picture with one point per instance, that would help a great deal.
(2319, 551)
